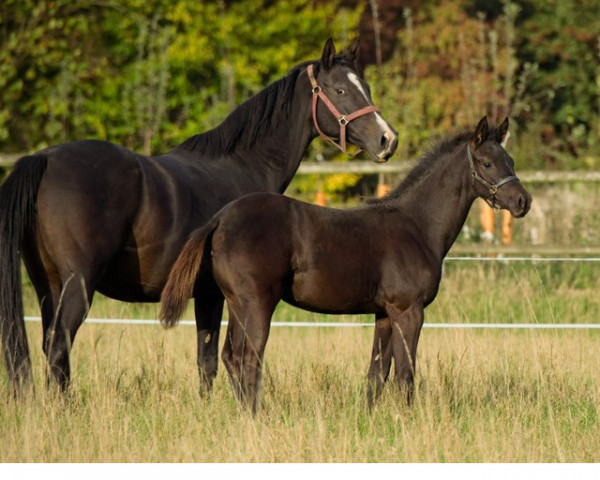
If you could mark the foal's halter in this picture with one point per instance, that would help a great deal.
(342, 119)
(492, 187)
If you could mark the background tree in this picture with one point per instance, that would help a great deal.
(149, 73)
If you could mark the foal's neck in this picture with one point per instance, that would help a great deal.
(441, 201)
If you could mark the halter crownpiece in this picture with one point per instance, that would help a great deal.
(492, 187)
(343, 119)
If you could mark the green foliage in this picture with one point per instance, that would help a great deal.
(563, 39)
(148, 74)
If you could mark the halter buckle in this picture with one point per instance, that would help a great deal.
(342, 120)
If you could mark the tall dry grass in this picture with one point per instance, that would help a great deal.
(482, 395)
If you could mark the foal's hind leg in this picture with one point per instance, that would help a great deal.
(406, 328)
(208, 308)
(381, 359)
(243, 352)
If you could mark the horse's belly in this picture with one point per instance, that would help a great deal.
(128, 289)
(134, 278)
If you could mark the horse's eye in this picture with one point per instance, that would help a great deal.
(340, 91)
(487, 165)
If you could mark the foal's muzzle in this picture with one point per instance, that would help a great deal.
(521, 206)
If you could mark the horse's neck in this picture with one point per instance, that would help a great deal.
(277, 156)
(441, 202)
(273, 159)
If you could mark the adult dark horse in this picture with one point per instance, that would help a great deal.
(383, 258)
(93, 216)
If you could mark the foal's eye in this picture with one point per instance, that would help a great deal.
(340, 91)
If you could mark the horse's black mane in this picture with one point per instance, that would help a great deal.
(250, 121)
(427, 161)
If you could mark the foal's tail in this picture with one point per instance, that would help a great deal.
(18, 197)
(180, 284)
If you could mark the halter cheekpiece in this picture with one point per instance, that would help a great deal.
(343, 119)
(492, 187)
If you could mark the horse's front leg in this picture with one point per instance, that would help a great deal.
(381, 359)
(406, 328)
(208, 309)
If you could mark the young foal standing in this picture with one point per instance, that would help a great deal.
(383, 258)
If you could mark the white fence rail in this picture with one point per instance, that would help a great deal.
(537, 326)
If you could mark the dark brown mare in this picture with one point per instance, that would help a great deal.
(93, 216)
(383, 258)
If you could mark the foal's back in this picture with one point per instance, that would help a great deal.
(320, 259)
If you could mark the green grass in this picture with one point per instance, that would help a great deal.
(481, 395)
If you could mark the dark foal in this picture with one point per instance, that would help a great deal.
(383, 258)
(93, 216)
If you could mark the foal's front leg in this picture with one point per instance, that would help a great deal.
(381, 359)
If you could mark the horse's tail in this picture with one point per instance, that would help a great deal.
(184, 273)
(18, 195)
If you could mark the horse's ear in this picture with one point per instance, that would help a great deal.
(354, 52)
(503, 133)
(328, 54)
(481, 134)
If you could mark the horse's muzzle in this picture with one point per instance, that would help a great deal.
(388, 143)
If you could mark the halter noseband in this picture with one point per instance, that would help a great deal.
(492, 187)
(342, 119)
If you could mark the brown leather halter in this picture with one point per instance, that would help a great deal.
(342, 119)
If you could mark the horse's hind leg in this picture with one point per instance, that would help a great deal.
(243, 352)
(69, 312)
(381, 359)
(208, 308)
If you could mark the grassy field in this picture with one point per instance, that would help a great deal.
(482, 395)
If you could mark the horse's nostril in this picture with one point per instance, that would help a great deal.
(384, 141)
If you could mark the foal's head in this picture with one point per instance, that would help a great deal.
(493, 170)
(344, 108)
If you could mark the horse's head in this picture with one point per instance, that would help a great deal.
(493, 171)
(342, 105)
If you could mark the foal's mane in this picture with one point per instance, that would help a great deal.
(428, 161)
(253, 119)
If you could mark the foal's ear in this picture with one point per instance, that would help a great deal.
(503, 133)
(354, 52)
(480, 135)
(328, 54)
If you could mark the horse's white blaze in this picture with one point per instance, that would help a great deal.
(387, 130)
(356, 81)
